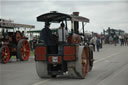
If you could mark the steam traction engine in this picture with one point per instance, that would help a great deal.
(13, 43)
(77, 55)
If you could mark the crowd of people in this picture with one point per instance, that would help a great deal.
(97, 40)
(120, 39)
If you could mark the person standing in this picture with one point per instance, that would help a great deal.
(122, 40)
(98, 44)
(46, 36)
(110, 40)
(115, 39)
(125, 40)
(93, 42)
(62, 37)
(62, 33)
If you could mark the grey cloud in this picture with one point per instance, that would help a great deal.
(101, 13)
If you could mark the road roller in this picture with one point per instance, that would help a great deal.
(13, 42)
(76, 56)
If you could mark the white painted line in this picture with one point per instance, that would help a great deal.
(102, 59)
(41, 82)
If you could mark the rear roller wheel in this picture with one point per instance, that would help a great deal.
(41, 69)
(79, 68)
(4, 54)
(23, 50)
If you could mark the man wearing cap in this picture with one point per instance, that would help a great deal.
(46, 36)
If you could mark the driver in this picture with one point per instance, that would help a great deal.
(46, 36)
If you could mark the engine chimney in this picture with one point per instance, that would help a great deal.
(76, 13)
(76, 24)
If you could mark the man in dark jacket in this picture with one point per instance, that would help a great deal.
(46, 36)
(98, 44)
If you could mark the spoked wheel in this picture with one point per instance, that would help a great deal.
(4, 54)
(84, 62)
(41, 69)
(81, 64)
(23, 50)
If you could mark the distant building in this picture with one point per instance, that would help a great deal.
(4, 23)
(9, 25)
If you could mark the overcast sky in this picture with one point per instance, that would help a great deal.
(102, 13)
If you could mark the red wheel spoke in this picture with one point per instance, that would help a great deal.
(27, 50)
(27, 45)
(84, 62)
(24, 50)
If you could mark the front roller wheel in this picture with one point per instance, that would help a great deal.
(41, 69)
(23, 50)
(79, 68)
(4, 54)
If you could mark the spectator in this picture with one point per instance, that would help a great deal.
(98, 44)
(110, 40)
(115, 40)
(121, 40)
(93, 42)
(126, 40)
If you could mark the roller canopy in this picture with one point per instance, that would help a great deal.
(57, 17)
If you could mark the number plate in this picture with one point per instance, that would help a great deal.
(54, 59)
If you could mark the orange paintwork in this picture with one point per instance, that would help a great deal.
(40, 53)
(69, 53)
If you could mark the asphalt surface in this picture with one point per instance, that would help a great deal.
(110, 68)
